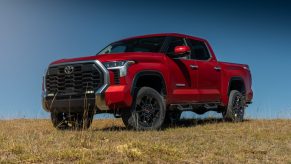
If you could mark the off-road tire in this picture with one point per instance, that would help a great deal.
(235, 109)
(71, 121)
(148, 111)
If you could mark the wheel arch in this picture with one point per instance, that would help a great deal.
(146, 75)
(236, 83)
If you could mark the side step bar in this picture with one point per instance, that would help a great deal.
(191, 107)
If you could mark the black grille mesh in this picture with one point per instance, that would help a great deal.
(85, 77)
(116, 76)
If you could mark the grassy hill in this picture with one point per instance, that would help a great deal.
(107, 141)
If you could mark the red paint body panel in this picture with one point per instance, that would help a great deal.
(118, 97)
(183, 85)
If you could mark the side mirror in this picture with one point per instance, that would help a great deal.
(182, 50)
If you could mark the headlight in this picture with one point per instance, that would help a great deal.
(114, 64)
(120, 65)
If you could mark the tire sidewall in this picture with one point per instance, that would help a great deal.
(80, 121)
(229, 114)
(133, 121)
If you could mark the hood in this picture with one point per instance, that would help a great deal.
(136, 56)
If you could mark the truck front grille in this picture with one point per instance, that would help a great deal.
(84, 80)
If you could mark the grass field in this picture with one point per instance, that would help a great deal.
(107, 141)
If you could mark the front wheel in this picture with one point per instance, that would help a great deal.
(71, 121)
(148, 111)
(235, 109)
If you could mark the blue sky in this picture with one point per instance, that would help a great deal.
(34, 33)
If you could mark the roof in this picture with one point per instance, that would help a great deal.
(166, 34)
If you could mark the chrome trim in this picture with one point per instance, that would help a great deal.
(99, 94)
(246, 68)
(194, 67)
(217, 68)
(180, 85)
(69, 69)
(44, 94)
(122, 69)
(44, 103)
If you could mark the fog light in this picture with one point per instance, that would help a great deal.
(89, 92)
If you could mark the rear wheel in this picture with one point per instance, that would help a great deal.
(71, 121)
(235, 109)
(148, 111)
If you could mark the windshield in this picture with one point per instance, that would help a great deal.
(153, 44)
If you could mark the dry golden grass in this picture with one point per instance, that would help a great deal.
(193, 141)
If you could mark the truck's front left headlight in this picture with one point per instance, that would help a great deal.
(120, 65)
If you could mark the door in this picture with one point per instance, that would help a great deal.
(183, 74)
(209, 72)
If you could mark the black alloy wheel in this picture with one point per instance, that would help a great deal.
(148, 111)
(236, 107)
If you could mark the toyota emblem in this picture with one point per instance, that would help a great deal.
(69, 69)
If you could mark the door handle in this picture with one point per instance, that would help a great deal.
(194, 67)
(217, 68)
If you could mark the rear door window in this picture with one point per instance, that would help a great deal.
(199, 51)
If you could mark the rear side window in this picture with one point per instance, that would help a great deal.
(199, 50)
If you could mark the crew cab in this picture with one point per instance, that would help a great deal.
(148, 81)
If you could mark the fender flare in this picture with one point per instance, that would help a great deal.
(146, 73)
(235, 78)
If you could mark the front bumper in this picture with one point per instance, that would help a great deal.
(113, 97)
(72, 105)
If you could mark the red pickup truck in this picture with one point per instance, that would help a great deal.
(148, 81)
